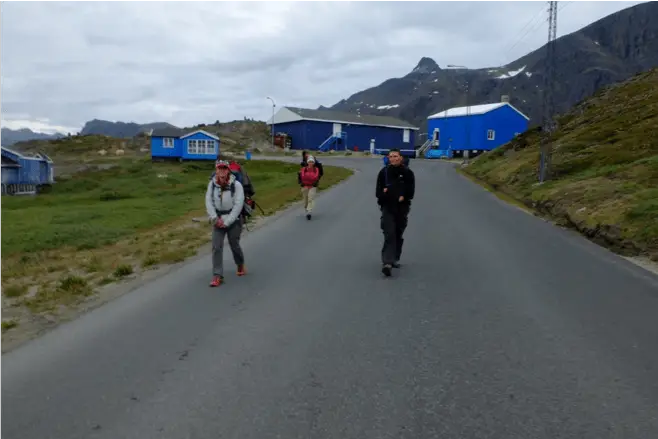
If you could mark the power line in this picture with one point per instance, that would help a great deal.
(532, 23)
(535, 23)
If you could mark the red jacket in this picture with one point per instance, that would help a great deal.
(309, 178)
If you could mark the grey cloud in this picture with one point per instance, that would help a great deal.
(191, 62)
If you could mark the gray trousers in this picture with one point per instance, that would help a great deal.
(233, 233)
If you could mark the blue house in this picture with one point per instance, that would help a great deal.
(25, 175)
(177, 144)
(325, 130)
(472, 130)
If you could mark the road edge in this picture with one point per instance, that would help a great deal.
(639, 261)
(108, 293)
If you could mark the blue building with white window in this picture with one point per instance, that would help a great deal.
(472, 130)
(23, 174)
(177, 144)
(326, 130)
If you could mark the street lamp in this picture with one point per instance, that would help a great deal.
(273, 105)
(468, 105)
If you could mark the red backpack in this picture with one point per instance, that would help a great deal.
(309, 178)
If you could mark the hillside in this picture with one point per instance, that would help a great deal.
(9, 137)
(604, 179)
(610, 50)
(237, 135)
(72, 153)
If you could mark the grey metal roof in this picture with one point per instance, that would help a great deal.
(169, 132)
(339, 116)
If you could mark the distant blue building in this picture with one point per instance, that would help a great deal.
(24, 175)
(472, 130)
(177, 144)
(325, 130)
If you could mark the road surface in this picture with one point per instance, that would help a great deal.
(498, 325)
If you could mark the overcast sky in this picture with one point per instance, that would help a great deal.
(64, 63)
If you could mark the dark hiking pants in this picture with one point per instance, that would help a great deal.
(233, 233)
(393, 224)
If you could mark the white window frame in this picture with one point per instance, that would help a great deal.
(168, 142)
(210, 147)
(201, 146)
(491, 135)
(406, 136)
(192, 146)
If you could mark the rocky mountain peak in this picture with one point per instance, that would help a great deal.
(426, 65)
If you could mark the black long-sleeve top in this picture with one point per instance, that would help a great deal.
(400, 181)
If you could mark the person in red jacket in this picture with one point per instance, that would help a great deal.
(308, 177)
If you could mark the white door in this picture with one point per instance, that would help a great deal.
(405, 136)
(337, 129)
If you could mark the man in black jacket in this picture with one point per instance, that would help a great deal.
(396, 185)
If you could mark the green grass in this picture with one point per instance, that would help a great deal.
(8, 324)
(97, 227)
(604, 175)
(99, 208)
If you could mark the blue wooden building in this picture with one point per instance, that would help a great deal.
(472, 130)
(177, 144)
(325, 130)
(22, 174)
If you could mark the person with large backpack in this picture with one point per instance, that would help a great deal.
(396, 186)
(308, 178)
(225, 202)
(249, 192)
(318, 165)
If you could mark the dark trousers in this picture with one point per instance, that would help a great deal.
(393, 224)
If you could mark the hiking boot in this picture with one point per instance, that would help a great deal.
(216, 281)
(308, 216)
(386, 269)
(396, 264)
(241, 270)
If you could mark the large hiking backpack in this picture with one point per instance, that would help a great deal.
(242, 176)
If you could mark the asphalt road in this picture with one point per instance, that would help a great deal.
(498, 325)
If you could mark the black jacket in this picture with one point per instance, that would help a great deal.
(400, 181)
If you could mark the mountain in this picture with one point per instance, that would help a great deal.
(10, 137)
(120, 129)
(607, 51)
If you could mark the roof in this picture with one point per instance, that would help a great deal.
(168, 132)
(14, 155)
(10, 162)
(474, 109)
(293, 114)
(191, 133)
(177, 132)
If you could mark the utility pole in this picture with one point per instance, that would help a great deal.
(273, 105)
(548, 126)
(468, 106)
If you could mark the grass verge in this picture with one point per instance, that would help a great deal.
(100, 226)
(604, 173)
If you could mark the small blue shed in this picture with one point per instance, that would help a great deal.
(325, 130)
(177, 144)
(474, 129)
(22, 174)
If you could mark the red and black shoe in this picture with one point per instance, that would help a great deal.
(216, 281)
(241, 270)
